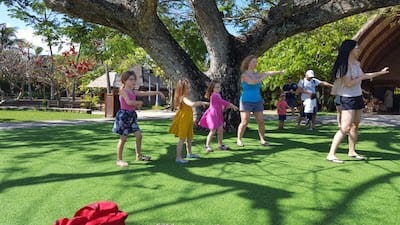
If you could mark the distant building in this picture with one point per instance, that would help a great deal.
(146, 80)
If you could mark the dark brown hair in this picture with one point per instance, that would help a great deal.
(342, 61)
(125, 76)
(210, 88)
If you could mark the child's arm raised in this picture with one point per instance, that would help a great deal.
(149, 93)
(194, 104)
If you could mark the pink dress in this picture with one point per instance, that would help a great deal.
(213, 117)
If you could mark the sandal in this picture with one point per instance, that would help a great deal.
(121, 163)
(181, 161)
(208, 149)
(265, 144)
(239, 143)
(192, 156)
(358, 157)
(223, 147)
(334, 159)
(143, 158)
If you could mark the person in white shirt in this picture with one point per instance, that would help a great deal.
(310, 108)
(348, 76)
(306, 87)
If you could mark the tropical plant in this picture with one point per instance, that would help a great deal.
(316, 50)
(8, 37)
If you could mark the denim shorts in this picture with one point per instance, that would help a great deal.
(352, 103)
(251, 106)
(281, 117)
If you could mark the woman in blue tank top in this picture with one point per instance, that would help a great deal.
(250, 100)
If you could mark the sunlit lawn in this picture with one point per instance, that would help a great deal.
(11, 116)
(49, 173)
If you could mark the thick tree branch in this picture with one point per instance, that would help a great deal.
(290, 17)
(213, 30)
(139, 20)
(117, 14)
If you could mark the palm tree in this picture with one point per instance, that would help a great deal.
(8, 37)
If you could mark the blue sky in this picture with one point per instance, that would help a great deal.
(23, 32)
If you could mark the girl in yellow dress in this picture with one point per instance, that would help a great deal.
(182, 125)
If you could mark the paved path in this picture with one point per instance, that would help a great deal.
(368, 119)
(142, 115)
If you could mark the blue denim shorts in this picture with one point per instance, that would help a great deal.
(251, 106)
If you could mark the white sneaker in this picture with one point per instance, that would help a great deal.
(122, 163)
(181, 161)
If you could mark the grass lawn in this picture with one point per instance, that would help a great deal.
(10, 116)
(49, 173)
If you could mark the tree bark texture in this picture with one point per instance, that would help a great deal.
(139, 20)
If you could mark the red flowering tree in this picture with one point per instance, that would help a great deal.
(73, 67)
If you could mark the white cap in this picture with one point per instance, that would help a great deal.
(310, 73)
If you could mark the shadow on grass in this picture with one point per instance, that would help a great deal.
(46, 141)
(343, 206)
(58, 177)
(383, 138)
(6, 120)
(261, 196)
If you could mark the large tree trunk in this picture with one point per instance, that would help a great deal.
(139, 19)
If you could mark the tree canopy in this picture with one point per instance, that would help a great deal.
(316, 50)
(260, 26)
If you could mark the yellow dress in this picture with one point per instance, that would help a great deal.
(182, 125)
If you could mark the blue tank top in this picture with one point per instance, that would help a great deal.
(250, 92)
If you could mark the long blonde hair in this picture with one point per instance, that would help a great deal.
(181, 90)
(245, 63)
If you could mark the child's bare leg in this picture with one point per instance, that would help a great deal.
(179, 147)
(120, 146)
(314, 117)
(209, 137)
(139, 137)
(280, 124)
(299, 119)
(189, 146)
(220, 135)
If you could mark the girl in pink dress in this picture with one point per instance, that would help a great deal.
(213, 117)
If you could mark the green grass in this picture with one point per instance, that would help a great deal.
(49, 173)
(10, 116)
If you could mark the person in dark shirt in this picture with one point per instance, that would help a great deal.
(290, 91)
